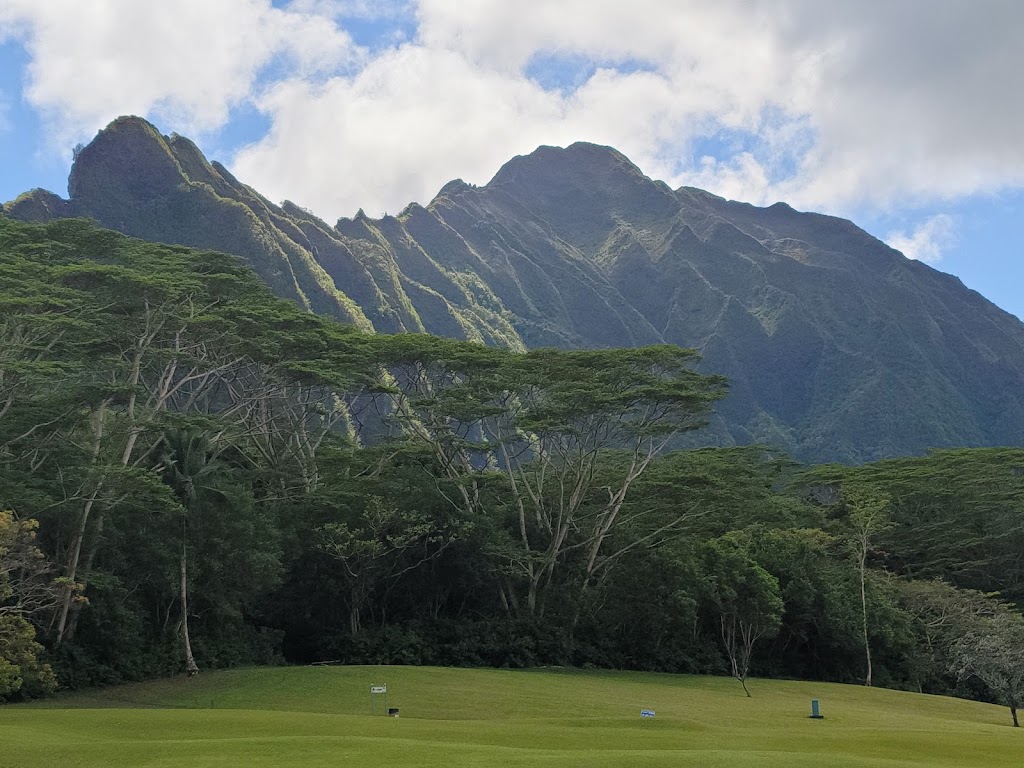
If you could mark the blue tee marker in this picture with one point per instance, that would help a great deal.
(816, 711)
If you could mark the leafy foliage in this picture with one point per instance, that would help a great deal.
(26, 590)
(746, 599)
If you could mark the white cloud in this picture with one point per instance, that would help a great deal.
(842, 105)
(928, 241)
(457, 101)
(186, 62)
(410, 118)
(871, 103)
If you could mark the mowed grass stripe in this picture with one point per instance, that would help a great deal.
(459, 717)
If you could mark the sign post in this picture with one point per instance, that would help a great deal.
(375, 691)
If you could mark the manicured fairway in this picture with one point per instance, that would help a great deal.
(320, 716)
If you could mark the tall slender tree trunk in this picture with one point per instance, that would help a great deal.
(74, 555)
(72, 567)
(1013, 714)
(531, 593)
(85, 571)
(864, 615)
(355, 604)
(353, 619)
(190, 663)
(126, 455)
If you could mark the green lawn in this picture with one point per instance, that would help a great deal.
(320, 716)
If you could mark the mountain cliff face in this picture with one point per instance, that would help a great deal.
(837, 347)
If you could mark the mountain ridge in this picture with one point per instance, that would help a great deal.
(837, 346)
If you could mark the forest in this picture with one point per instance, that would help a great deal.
(195, 474)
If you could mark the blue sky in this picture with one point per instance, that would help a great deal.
(904, 117)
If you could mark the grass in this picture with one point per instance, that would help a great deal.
(320, 716)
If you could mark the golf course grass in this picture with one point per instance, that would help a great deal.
(320, 716)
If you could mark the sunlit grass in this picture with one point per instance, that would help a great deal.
(320, 716)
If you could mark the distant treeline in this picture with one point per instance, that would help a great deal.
(194, 474)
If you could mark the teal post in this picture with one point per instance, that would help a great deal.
(816, 711)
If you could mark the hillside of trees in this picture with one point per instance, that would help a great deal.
(196, 474)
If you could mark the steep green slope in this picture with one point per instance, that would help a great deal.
(837, 347)
(161, 188)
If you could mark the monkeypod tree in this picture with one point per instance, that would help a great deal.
(744, 597)
(546, 422)
(992, 650)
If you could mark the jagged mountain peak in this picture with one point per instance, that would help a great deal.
(584, 191)
(837, 347)
(581, 163)
(454, 187)
(38, 205)
(128, 160)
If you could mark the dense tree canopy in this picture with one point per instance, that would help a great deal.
(194, 474)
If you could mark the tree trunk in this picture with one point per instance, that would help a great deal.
(71, 571)
(1013, 714)
(353, 618)
(85, 572)
(531, 594)
(190, 663)
(72, 566)
(864, 614)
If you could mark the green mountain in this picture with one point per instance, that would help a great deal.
(837, 347)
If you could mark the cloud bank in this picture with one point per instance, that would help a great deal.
(829, 106)
(187, 62)
(927, 241)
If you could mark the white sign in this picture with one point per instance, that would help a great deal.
(646, 713)
(378, 689)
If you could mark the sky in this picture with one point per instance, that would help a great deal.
(906, 117)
